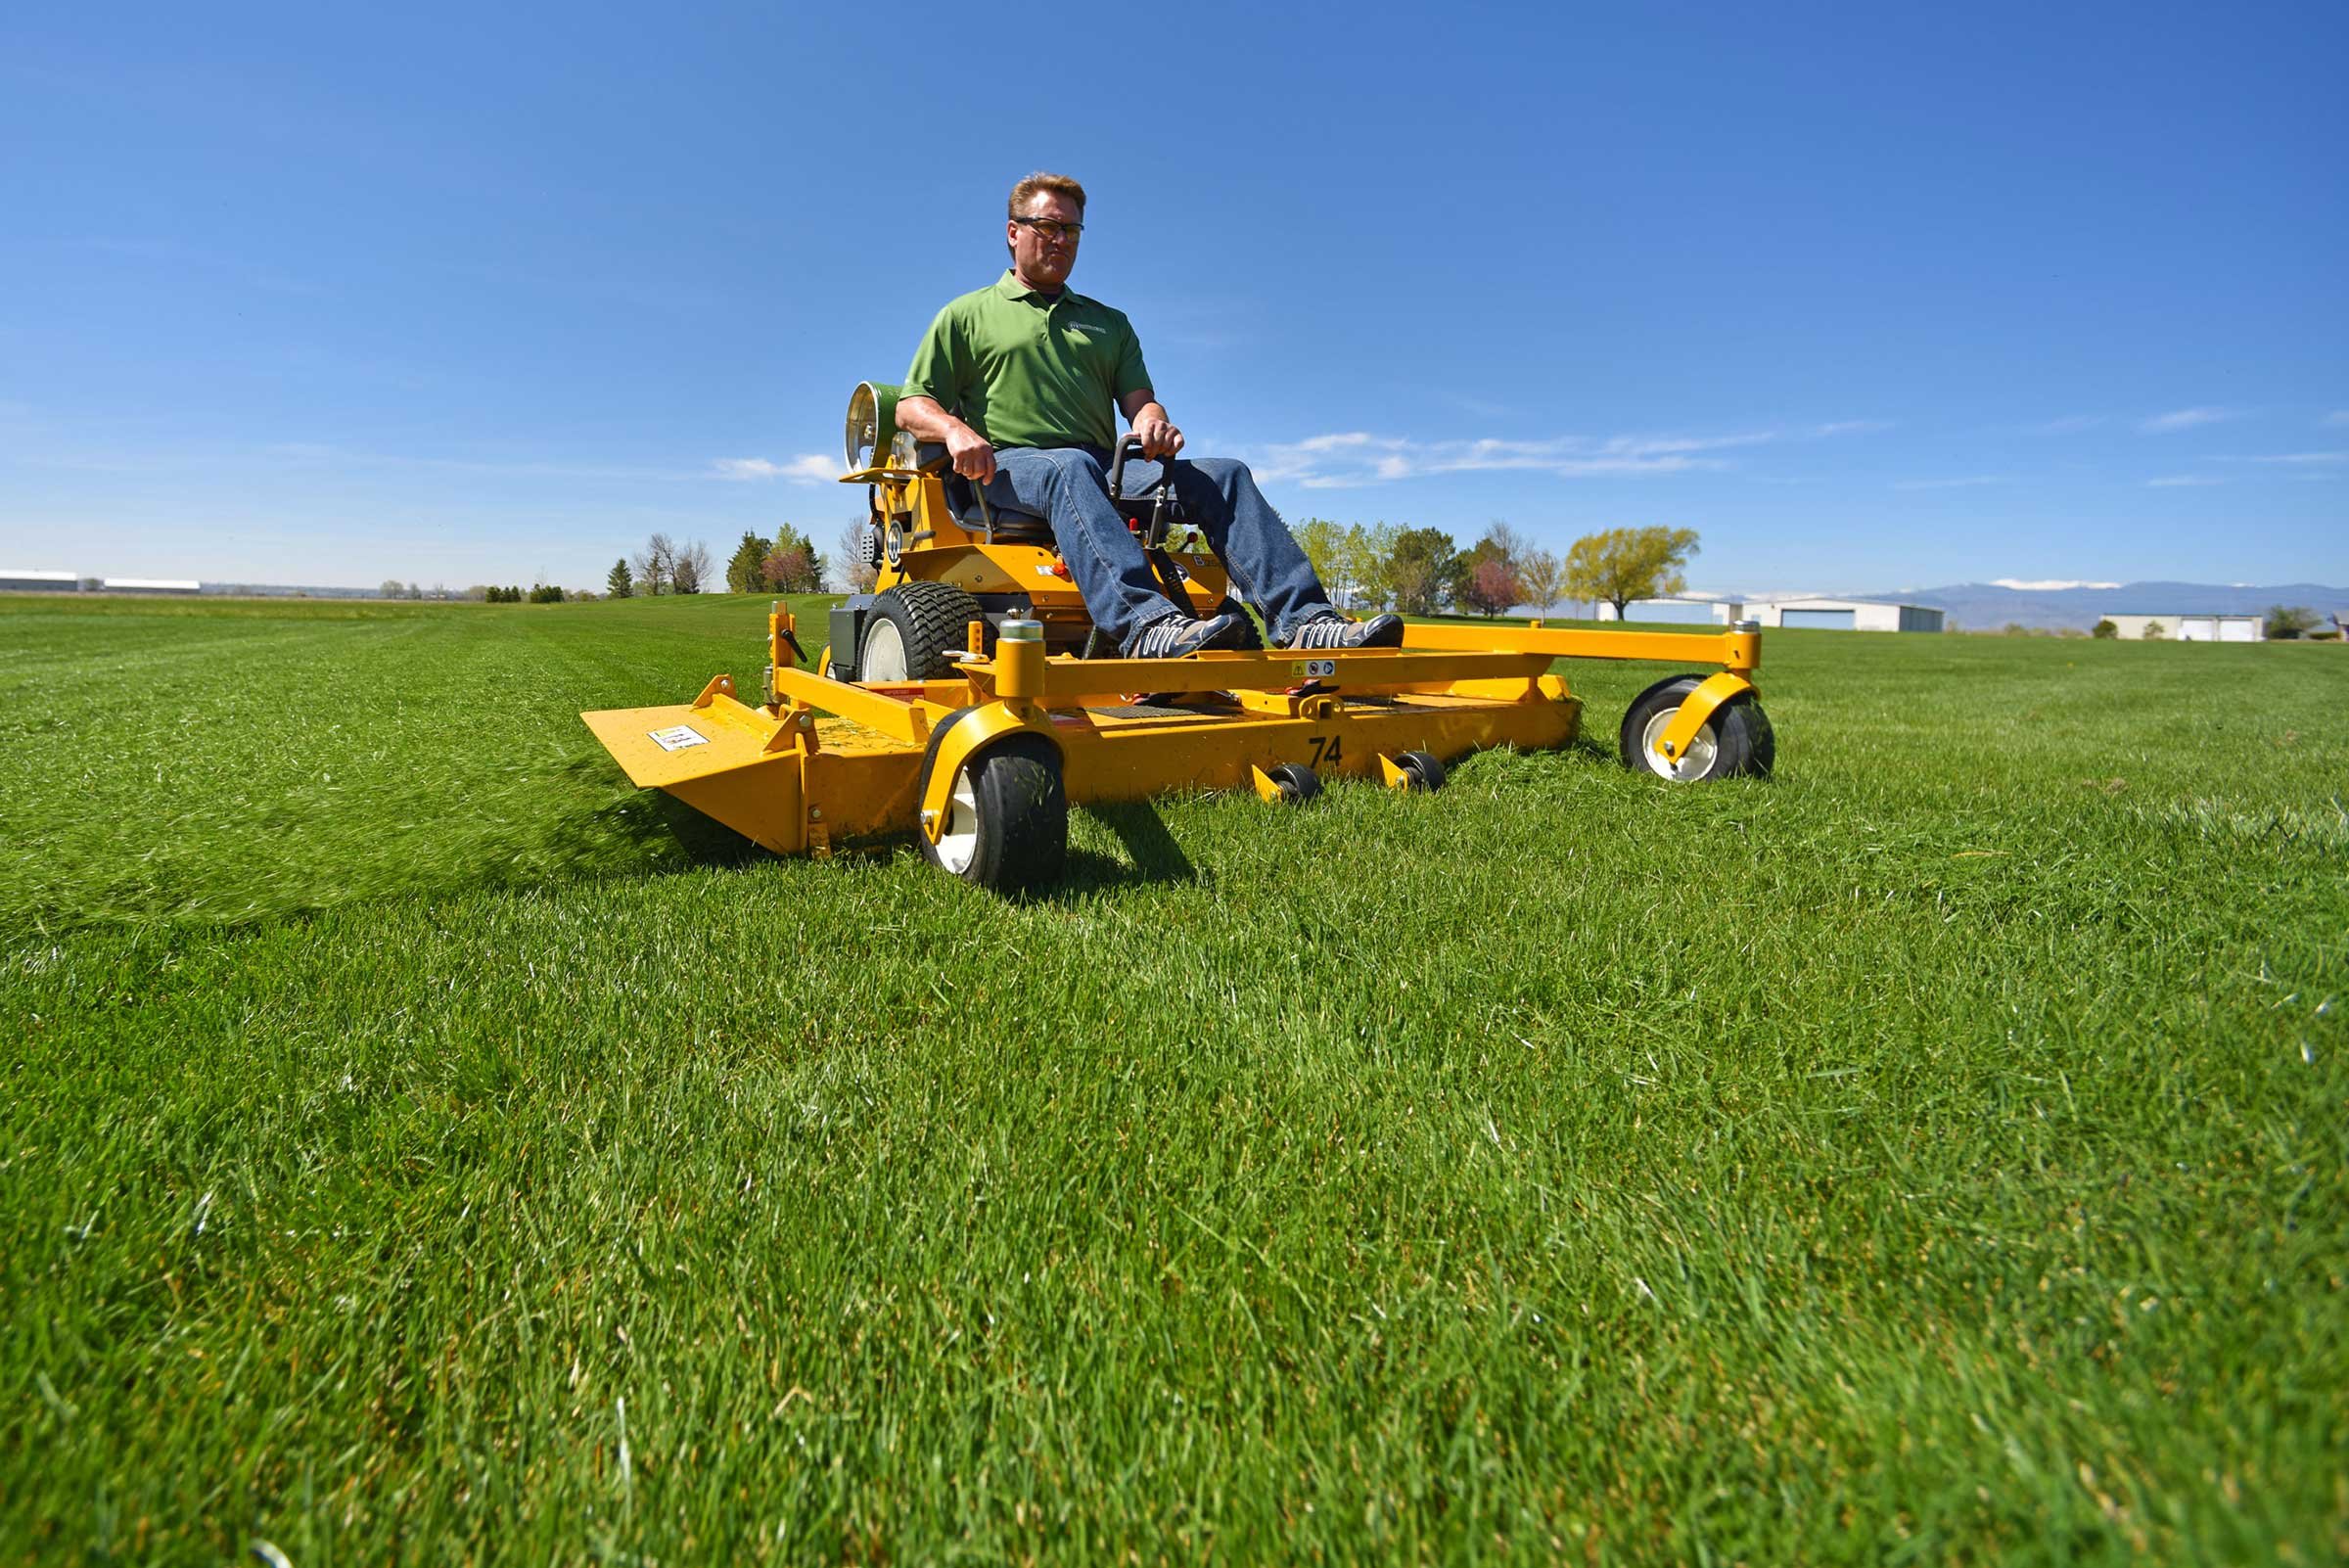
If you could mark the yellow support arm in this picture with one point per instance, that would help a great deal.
(1731, 650)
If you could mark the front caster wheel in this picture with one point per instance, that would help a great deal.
(1295, 782)
(1422, 771)
(1007, 818)
(1736, 743)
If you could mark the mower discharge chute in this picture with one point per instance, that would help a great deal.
(965, 698)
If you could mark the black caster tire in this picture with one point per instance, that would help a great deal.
(912, 631)
(1007, 818)
(1736, 743)
(1425, 769)
(1297, 782)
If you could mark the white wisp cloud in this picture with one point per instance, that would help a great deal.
(1347, 458)
(2184, 419)
(809, 469)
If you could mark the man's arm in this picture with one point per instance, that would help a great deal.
(927, 421)
(1148, 418)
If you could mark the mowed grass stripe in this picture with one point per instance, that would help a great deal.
(1936, 1151)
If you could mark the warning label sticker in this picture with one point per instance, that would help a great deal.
(1313, 668)
(678, 737)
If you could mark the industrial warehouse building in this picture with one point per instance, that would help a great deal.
(150, 585)
(2188, 627)
(39, 582)
(1844, 614)
(1835, 614)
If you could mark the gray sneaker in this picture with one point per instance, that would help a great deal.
(1174, 635)
(1326, 629)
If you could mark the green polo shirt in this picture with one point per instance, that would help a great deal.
(1024, 371)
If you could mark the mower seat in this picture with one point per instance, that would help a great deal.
(1011, 525)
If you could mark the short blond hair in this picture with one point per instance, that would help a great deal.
(1038, 184)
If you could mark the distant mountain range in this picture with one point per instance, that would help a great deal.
(1986, 606)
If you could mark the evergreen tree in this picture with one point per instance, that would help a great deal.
(620, 584)
(745, 568)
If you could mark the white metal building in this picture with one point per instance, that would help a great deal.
(2191, 626)
(38, 582)
(1689, 612)
(1844, 614)
(150, 585)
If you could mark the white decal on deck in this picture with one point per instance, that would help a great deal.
(678, 738)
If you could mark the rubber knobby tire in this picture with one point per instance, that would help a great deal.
(929, 621)
(1015, 814)
(1738, 734)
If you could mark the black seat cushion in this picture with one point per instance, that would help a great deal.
(1011, 523)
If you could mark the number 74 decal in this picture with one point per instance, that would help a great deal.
(1325, 750)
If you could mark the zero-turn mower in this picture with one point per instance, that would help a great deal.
(967, 699)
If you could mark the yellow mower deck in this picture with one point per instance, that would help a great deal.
(828, 760)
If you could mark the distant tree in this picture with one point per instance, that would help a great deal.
(476, 593)
(391, 589)
(414, 592)
(620, 584)
(2105, 628)
(2289, 623)
(1324, 545)
(92, 584)
(1365, 565)
(743, 566)
(690, 570)
(657, 566)
(1491, 586)
(1425, 569)
(856, 568)
(546, 593)
(1542, 576)
(1626, 564)
(793, 565)
(1413, 585)
(791, 570)
(1503, 542)
(2154, 631)
(1489, 582)
(2014, 628)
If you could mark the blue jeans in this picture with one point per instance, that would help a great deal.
(1069, 487)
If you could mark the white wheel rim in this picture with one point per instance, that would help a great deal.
(883, 653)
(1694, 763)
(959, 843)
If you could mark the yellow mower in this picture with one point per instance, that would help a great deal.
(965, 701)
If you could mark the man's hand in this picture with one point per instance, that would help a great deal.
(974, 459)
(1160, 438)
(966, 449)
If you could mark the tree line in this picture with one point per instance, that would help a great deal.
(788, 563)
(1376, 566)
(1384, 566)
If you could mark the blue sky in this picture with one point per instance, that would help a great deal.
(1871, 298)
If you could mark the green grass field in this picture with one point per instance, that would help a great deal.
(419, 1146)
